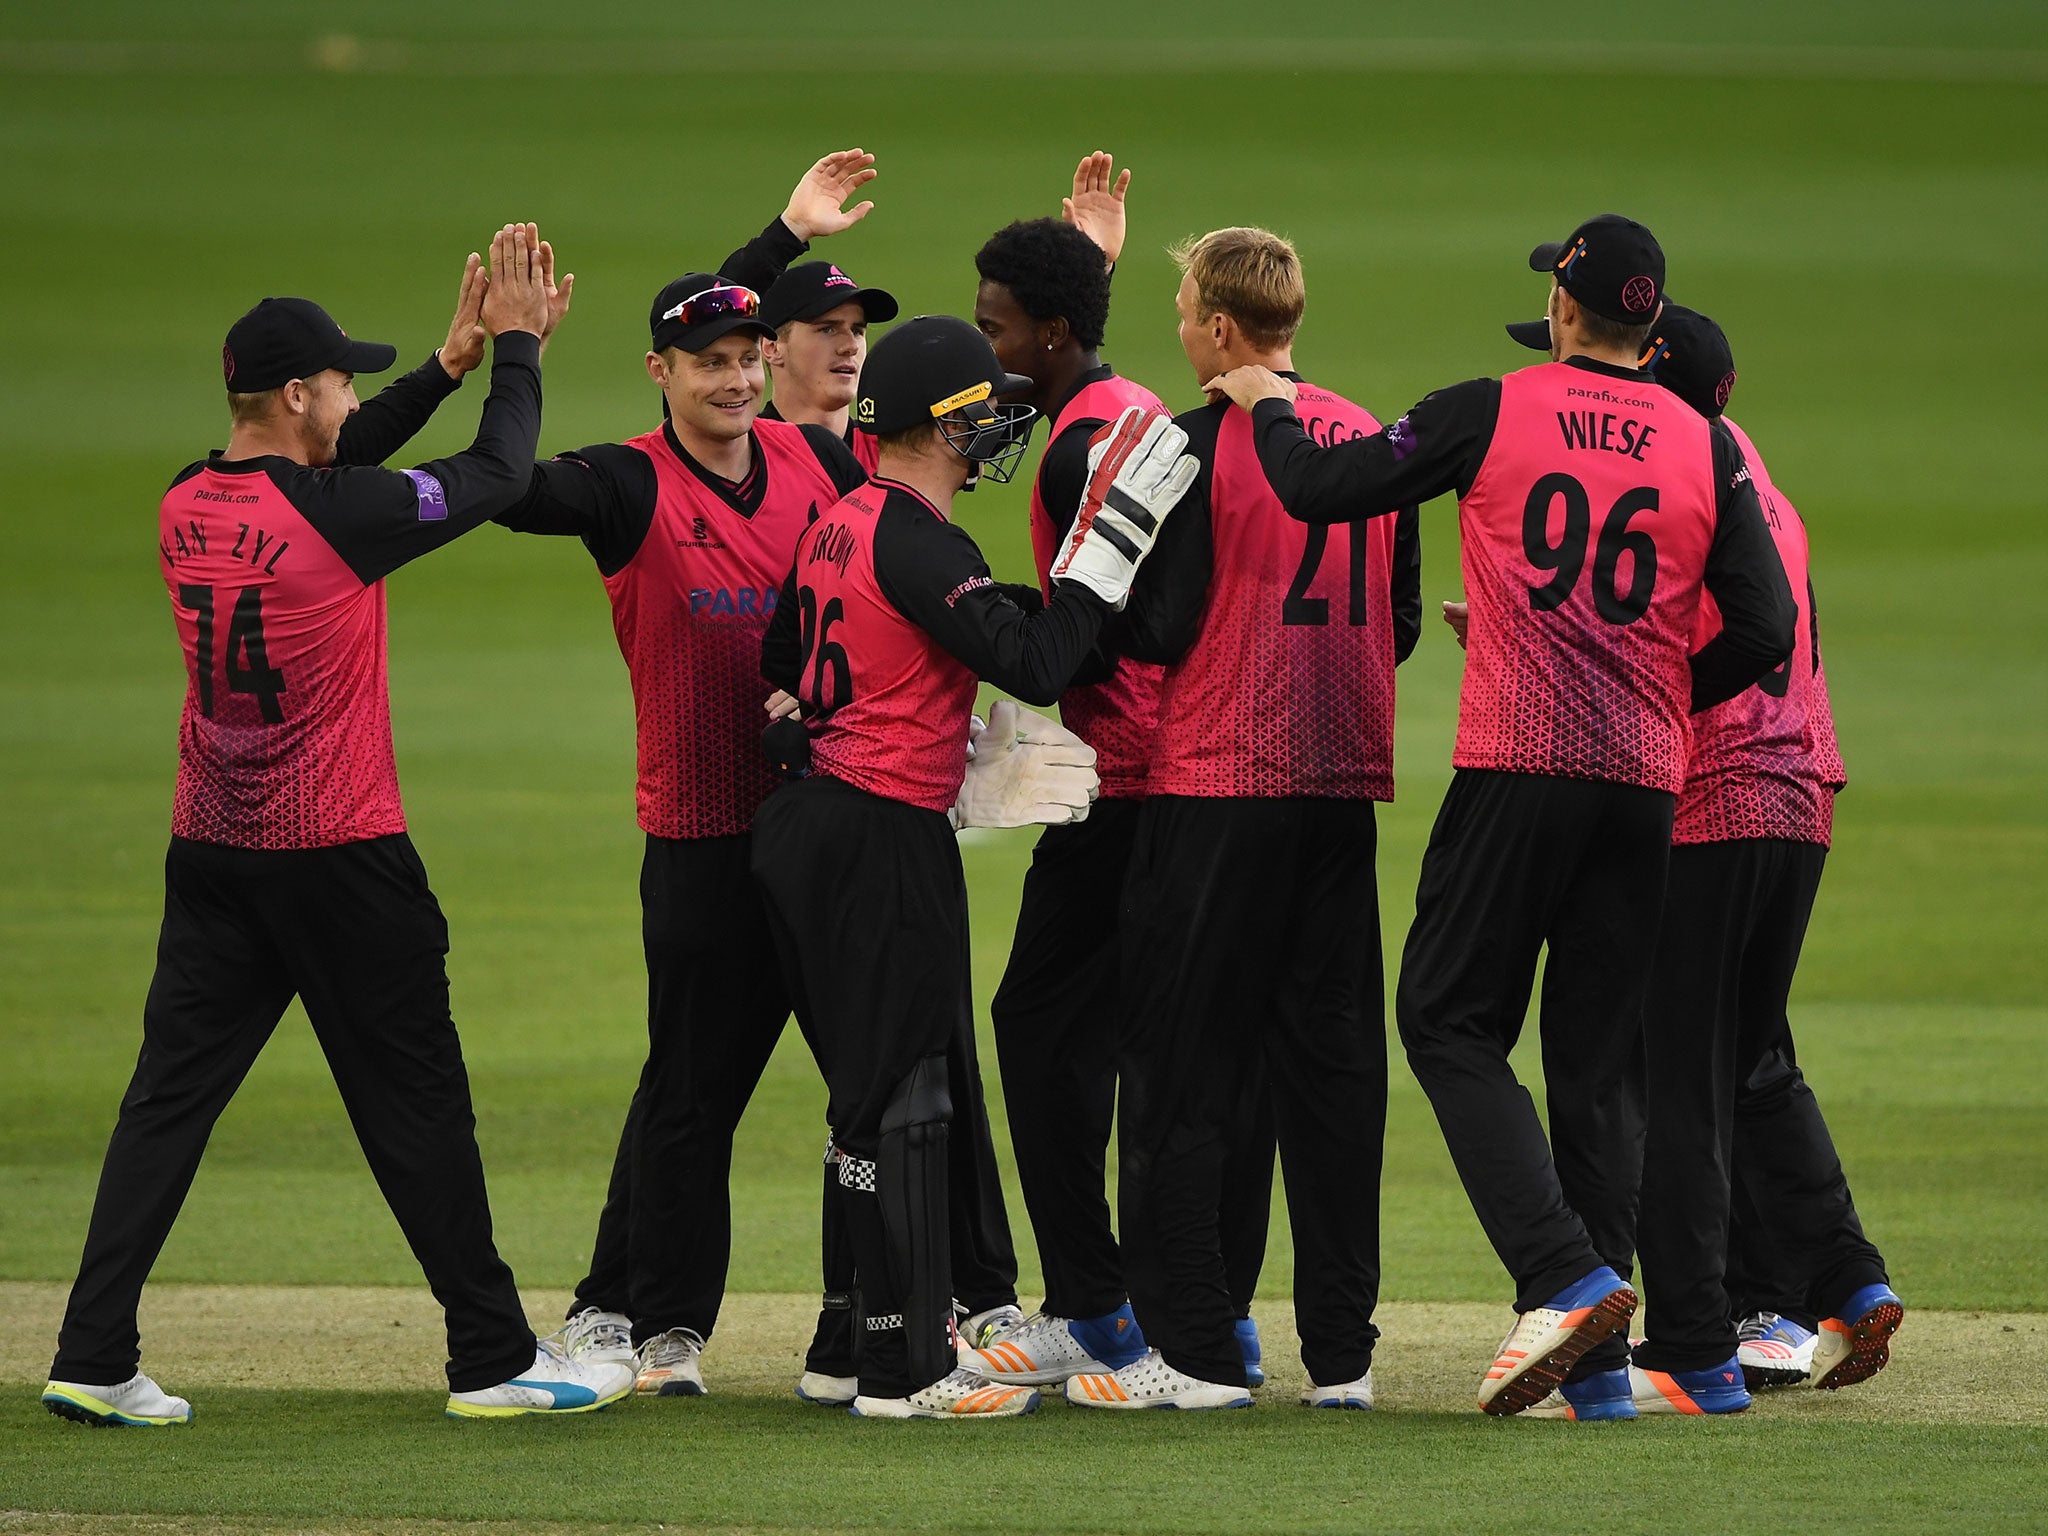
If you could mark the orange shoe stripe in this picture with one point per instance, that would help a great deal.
(1672, 1392)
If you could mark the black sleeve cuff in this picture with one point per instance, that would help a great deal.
(511, 347)
(434, 378)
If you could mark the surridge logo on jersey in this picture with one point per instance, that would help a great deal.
(700, 535)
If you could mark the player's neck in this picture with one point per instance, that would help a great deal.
(1063, 376)
(264, 440)
(932, 477)
(1279, 359)
(796, 408)
(1618, 357)
(730, 458)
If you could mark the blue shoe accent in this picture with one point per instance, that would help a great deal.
(1717, 1389)
(1113, 1338)
(565, 1395)
(1248, 1345)
(1866, 1301)
(1602, 1395)
(1591, 1291)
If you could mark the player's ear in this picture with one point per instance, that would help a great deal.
(771, 351)
(657, 369)
(1054, 332)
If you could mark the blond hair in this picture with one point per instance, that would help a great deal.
(1251, 275)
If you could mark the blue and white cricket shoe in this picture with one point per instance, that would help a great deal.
(1717, 1389)
(1856, 1344)
(1547, 1341)
(1774, 1351)
(1601, 1396)
(1045, 1350)
(134, 1403)
(1350, 1394)
(1248, 1342)
(552, 1384)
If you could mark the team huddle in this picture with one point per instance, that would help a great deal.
(1645, 771)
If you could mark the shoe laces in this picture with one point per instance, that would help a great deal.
(1756, 1326)
(674, 1347)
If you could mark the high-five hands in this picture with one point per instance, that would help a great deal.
(1025, 770)
(464, 348)
(815, 206)
(1097, 206)
(1248, 385)
(1136, 474)
(517, 299)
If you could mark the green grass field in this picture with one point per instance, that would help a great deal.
(1859, 193)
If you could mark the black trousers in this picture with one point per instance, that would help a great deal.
(1058, 1017)
(1519, 863)
(1762, 1276)
(1251, 940)
(869, 907)
(355, 932)
(1735, 916)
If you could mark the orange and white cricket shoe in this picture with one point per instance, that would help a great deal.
(961, 1395)
(1547, 1341)
(1856, 1344)
(1151, 1383)
(1045, 1350)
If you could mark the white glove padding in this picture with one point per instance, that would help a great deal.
(1025, 771)
(1136, 472)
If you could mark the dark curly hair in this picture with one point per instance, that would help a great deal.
(1053, 271)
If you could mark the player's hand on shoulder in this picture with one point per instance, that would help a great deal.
(1459, 617)
(464, 348)
(1097, 206)
(1248, 385)
(1138, 470)
(517, 299)
(817, 205)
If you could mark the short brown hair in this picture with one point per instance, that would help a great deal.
(256, 407)
(1251, 275)
(1621, 335)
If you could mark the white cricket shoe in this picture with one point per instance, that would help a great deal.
(961, 1395)
(1547, 1341)
(830, 1391)
(135, 1402)
(1040, 1351)
(552, 1384)
(670, 1365)
(597, 1335)
(1351, 1394)
(1773, 1351)
(1151, 1383)
(984, 1328)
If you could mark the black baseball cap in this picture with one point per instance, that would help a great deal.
(1610, 264)
(813, 288)
(1690, 356)
(285, 339)
(924, 369)
(698, 308)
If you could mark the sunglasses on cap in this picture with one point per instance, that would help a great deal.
(714, 303)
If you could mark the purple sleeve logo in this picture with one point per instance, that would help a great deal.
(433, 500)
(1401, 438)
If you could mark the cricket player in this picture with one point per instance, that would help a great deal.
(692, 526)
(1043, 303)
(1252, 911)
(1750, 838)
(289, 871)
(886, 623)
(820, 318)
(1592, 505)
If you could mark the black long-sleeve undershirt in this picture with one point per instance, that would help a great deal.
(393, 417)
(1438, 447)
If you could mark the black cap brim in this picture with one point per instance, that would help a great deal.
(366, 357)
(698, 337)
(1544, 257)
(876, 304)
(1533, 334)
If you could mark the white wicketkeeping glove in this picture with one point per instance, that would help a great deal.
(1025, 770)
(1136, 472)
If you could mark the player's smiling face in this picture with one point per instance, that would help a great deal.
(716, 391)
(821, 358)
(1016, 337)
(330, 399)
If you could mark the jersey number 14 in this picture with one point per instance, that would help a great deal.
(249, 668)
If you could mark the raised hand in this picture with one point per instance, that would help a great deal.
(518, 297)
(1097, 206)
(1248, 385)
(464, 348)
(558, 295)
(816, 205)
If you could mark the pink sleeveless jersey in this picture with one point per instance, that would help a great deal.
(1765, 763)
(1289, 688)
(1584, 538)
(286, 736)
(887, 706)
(689, 610)
(1116, 717)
